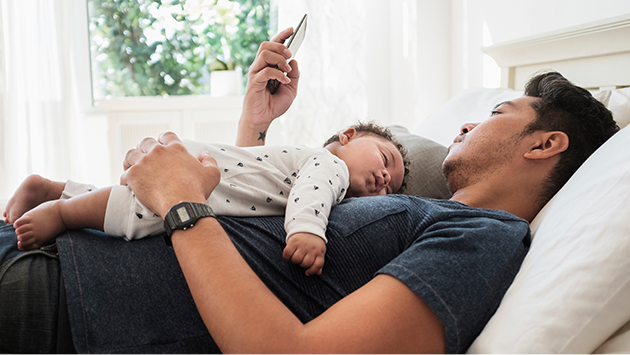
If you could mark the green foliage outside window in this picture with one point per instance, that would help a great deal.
(169, 47)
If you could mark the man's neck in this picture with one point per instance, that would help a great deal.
(518, 201)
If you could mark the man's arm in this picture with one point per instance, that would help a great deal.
(242, 315)
(240, 312)
(260, 107)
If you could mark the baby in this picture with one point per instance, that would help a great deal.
(299, 182)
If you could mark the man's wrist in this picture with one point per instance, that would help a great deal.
(251, 134)
(201, 224)
(183, 216)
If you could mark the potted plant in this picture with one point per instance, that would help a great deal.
(225, 77)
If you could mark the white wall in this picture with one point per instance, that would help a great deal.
(443, 49)
(407, 77)
(507, 20)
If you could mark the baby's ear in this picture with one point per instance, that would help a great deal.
(347, 135)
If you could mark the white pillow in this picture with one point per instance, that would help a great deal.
(474, 105)
(619, 104)
(618, 343)
(573, 289)
(617, 101)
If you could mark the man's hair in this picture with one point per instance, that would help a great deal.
(573, 110)
(371, 128)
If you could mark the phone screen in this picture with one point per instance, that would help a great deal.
(298, 35)
(294, 43)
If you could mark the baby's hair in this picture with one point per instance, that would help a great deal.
(382, 132)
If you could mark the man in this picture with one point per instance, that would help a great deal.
(514, 161)
(441, 267)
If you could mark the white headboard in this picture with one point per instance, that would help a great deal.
(595, 55)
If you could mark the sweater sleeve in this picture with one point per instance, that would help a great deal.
(321, 183)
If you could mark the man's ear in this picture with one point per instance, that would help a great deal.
(548, 144)
(347, 135)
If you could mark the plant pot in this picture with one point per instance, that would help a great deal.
(226, 83)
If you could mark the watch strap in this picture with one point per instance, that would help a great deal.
(184, 215)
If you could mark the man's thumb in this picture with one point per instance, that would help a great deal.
(206, 159)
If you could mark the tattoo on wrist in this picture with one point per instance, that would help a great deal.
(262, 136)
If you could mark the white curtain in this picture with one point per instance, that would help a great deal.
(333, 71)
(39, 113)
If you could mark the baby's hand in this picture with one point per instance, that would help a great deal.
(306, 250)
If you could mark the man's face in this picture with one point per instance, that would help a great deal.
(483, 149)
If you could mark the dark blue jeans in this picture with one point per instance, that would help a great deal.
(33, 310)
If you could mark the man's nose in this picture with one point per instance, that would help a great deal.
(467, 127)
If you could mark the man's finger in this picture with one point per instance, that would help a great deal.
(167, 138)
(206, 159)
(283, 35)
(270, 59)
(132, 157)
(273, 47)
(123, 178)
(146, 144)
(295, 70)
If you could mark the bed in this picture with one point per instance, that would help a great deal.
(573, 290)
(571, 294)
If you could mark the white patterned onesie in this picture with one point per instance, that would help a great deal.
(301, 183)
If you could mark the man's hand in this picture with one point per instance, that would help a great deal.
(306, 250)
(163, 173)
(260, 107)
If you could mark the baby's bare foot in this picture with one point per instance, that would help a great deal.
(39, 225)
(33, 191)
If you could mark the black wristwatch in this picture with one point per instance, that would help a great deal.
(184, 215)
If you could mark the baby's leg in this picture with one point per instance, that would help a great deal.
(41, 224)
(33, 191)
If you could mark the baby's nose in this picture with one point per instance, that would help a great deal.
(386, 177)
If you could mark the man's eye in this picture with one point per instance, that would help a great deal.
(494, 113)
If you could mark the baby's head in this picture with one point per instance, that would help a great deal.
(376, 160)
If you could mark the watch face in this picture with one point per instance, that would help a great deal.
(183, 214)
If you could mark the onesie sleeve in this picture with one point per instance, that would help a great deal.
(321, 183)
(74, 188)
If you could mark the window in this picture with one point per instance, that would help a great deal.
(170, 47)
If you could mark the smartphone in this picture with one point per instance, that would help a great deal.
(293, 43)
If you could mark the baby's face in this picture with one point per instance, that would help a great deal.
(375, 165)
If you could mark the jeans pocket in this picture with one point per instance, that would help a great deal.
(49, 250)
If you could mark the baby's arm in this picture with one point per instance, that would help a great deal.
(307, 250)
(320, 184)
